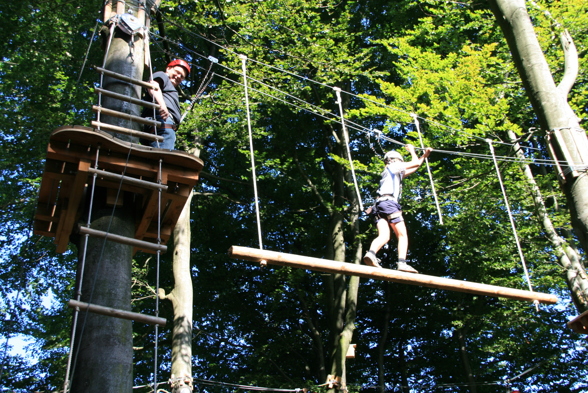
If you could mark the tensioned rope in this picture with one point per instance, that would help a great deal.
(512, 223)
(347, 143)
(417, 125)
(252, 154)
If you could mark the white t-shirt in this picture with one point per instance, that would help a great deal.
(391, 181)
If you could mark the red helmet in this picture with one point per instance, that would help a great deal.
(181, 63)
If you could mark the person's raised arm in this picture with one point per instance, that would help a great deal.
(411, 166)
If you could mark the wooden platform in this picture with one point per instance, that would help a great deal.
(69, 167)
(580, 323)
(350, 269)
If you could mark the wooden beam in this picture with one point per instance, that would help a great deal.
(323, 265)
(580, 323)
(113, 312)
(140, 244)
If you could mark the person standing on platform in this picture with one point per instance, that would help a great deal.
(387, 210)
(165, 94)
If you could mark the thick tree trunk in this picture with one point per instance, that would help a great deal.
(569, 142)
(182, 298)
(567, 255)
(103, 354)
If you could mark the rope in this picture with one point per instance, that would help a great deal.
(322, 113)
(88, 50)
(512, 223)
(346, 135)
(416, 123)
(159, 181)
(244, 67)
(363, 98)
(203, 85)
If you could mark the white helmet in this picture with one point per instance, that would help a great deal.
(393, 154)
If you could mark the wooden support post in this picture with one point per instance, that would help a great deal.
(323, 265)
(113, 312)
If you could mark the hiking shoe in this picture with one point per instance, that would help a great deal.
(405, 267)
(371, 260)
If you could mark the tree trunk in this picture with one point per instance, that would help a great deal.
(182, 298)
(568, 140)
(463, 351)
(344, 289)
(568, 256)
(103, 352)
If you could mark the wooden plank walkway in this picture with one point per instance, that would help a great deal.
(323, 265)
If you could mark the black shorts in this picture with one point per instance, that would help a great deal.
(390, 210)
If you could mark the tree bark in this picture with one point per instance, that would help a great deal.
(568, 140)
(567, 254)
(182, 298)
(103, 352)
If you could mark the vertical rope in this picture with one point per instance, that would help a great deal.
(416, 123)
(346, 136)
(244, 67)
(159, 181)
(88, 51)
(512, 223)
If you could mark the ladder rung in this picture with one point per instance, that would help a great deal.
(127, 116)
(141, 244)
(113, 312)
(127, 131)
(128, 180)
(124, 77)
(126, 98)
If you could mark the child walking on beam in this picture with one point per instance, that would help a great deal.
(387, 210)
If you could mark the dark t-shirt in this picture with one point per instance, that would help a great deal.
(170, 97)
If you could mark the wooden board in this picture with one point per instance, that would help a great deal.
(323, 265)
(72, 150)
(580, 323)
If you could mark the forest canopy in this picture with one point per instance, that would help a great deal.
(428, 73)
